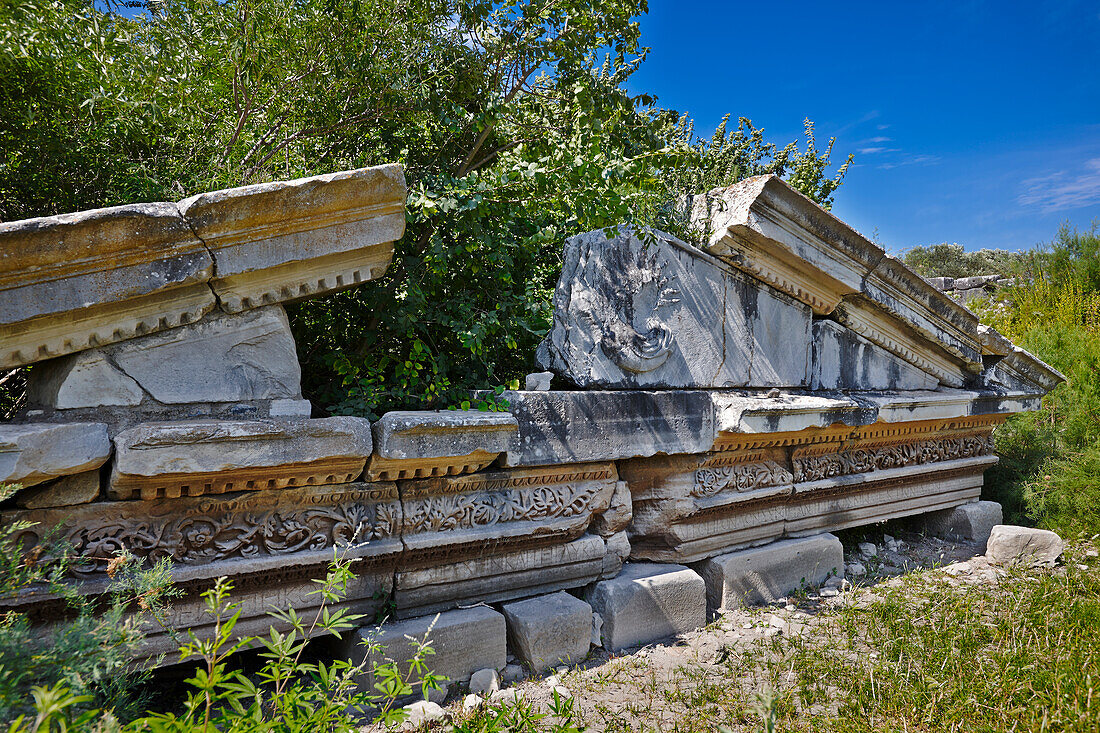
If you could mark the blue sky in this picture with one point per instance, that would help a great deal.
(971, 122)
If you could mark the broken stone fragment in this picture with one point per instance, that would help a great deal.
(419, 444)
(288, 240)
(39, 452)
(1011, 545)
(79, 488)
(970, 522)
(215, 456)
(76, 281)
(643, 309)
(221, 358)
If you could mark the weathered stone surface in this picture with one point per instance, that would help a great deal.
(618, 515)
(221, 358)
(426, 586)
(1009, 545)
(549, 630)
(766, 574)
(764, 227)
(780, 412)
(648, 602)
(79, 488)
(419, 444)
(643, 309)
(464, 641)
(687, 508)
(287, 240)
(842, 359)
(970, 522)
(76, 281)
(574, 427)
(484, 682)
(421, 713)
(36, 453)
(538, 381)
(274, 544)
(216, 456)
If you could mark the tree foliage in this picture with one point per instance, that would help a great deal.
(510, 117)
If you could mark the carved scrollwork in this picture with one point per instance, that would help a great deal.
(740, 477)
(461, 511)
(864, 460)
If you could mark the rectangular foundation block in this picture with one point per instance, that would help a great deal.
(765, 574)
(549, 630)
(647, 602)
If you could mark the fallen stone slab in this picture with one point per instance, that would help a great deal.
(766, 574)
(79, 488)
(444, 443)
(971, 522)
(642, 309)
(647, 602)
(38, 452)
(463, 642)
(549, 630)
(575, 427)
(221, 358)
(76, 281)
(288, 240)
(215, 456)
(1011, 545)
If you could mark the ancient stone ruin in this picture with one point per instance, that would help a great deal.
(723, 405)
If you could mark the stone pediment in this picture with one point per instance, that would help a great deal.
(780, 293)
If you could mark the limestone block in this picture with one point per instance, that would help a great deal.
(766, 574)
(687, 508)
(287, 240)
(643, 309)
(76, 281)
(842, 359)
(781, 412)
(216, 456)
(538, 381)
(1010, 545)
(574, 427)
(463, 641)
(79, 488)
(39, 452)
(549, 630)
(648, 602)
(221, 358)
(432, 584)
(970, 522)
(418, 444)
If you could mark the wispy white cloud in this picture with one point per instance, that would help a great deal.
(1063, 190)
(879, 149)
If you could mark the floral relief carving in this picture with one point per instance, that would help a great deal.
(740, 477)
(460, 511)
(864, 460)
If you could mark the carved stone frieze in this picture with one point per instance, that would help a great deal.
(865, 460)
(715, 477)
(208, 531)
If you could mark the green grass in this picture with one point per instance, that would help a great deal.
(925, 654)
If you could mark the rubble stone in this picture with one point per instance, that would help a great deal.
(1009, 545)
(647, 602)
(767, 573)
(79, 488)
(549, 630)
